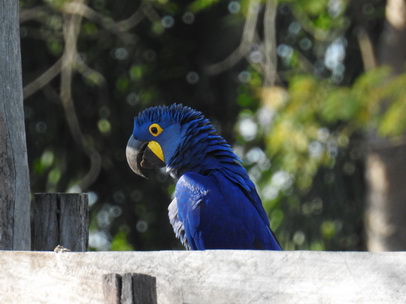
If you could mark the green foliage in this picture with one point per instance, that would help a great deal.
(313, 127)
(57, 3)
(316, 107)
(120, 240)
(312, 7)
(199, 5)
(136, 72)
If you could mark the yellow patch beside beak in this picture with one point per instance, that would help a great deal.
(156, 148)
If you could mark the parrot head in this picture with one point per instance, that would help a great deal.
(158, 134)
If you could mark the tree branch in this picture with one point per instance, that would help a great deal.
(246, 41)
(367, 50)
(37, 13)
(71, 28)
(43, 80)
(118, 28)
(270, 43)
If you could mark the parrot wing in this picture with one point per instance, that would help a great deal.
(212, 212)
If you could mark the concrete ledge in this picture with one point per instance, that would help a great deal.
(208, 276)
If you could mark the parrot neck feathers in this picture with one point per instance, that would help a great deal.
(203, 150)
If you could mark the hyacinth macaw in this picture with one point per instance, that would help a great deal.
(216, 205)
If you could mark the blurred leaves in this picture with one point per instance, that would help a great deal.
(304, 133)
(198, 5)
(120, 240)
(315, 125)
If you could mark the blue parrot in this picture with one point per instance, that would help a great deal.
(216, 205)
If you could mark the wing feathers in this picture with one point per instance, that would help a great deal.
(215, 213)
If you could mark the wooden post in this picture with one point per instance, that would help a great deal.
(130, 288)
(144, 289)
(61, 219)
(112, 288)
(14, 180)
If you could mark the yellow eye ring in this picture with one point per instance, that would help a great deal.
(155, 129)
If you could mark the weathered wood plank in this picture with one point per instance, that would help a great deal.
(112, 288)
(129, 288)
(144, 287)
(127, 293)
(14, 180)
(209, 276)
(141, 287)
(61, 219)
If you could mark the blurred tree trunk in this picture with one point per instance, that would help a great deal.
(386, 159)
(14, 180)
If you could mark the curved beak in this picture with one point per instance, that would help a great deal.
(139, 155)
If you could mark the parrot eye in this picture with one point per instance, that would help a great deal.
(155, 129)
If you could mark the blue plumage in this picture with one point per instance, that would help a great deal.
(216, 205)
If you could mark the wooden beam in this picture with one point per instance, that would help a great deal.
(61, 219)
(220, 276)
(14, 181)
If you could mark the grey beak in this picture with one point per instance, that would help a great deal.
(134, 152)
(140, 156)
